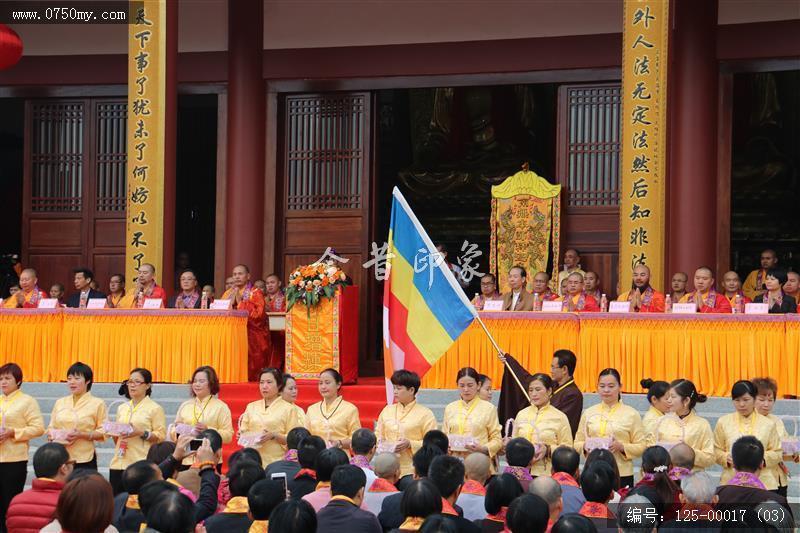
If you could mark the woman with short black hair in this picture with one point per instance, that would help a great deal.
(405, 422)
(500, 492)
(420, 500)
(779, 302)
(77, 420)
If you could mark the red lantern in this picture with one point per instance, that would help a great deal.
(10, 47)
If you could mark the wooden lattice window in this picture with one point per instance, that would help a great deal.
(57, 156)
(588, 164)
(111, 123)
(327, 143)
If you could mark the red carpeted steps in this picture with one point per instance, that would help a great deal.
(369, 395)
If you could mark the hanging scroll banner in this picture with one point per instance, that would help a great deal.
(144, 228)
(645, 44)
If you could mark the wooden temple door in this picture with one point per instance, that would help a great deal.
(327, 171)
(588, 168)
(74, 188)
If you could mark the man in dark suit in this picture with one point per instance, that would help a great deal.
(390, 516)
(744, 492)
(189, 296)
(343, 512)
(83, 281)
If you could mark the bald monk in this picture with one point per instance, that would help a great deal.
(643, 297)
(576, 300)
(591, 284)
(29, 294)
(572, 263)
(792, 286)
(732, 285)
(146, 287)
(679, 282)
(704, 296)
(243, 295)
(754, 282)
(541, 288)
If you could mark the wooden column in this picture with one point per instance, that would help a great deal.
(244, 217)
(693, 80)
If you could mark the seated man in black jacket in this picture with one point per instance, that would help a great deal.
(234, 518)
(127, 513)
(305, 481)
(83, 284)
(447, 473)
(290, 465)
(343, 512)
(390, 516)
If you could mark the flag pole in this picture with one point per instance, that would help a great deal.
(502, 357)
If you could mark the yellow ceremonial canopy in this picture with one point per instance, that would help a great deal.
(526, 217)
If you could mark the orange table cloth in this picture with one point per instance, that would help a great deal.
(714, 351)
(170, 343)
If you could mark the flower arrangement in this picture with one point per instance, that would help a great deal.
(309, 283)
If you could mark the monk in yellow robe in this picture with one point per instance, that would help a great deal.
(754, 283)
(704, 296)
(29, 294)
(243, 295)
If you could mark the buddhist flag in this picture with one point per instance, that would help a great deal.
(424, 308)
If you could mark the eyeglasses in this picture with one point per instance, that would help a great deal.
(135, 382)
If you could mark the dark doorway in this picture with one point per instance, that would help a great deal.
(765, 158)
(196, 183)
(12, 131)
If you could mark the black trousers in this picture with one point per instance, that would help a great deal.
(115, 478)
(12, 481)
(90, 465)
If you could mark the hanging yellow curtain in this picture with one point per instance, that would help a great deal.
(526, 218)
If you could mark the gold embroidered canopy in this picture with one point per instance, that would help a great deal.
(526, 214)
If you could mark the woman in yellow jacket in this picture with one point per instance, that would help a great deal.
(542, 424)
(289, 395)
(767, 389)
(686, 425)
(405, 422)
(657, 396)
(747, 421)
(472, 417)
(81, 416)
(619, 425)
(146, 419)
(20, 421)
(267, 421)
(333, 418)
(205, 410)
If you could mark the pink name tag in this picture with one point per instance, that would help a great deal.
(493, 305)
(684, 309)
(96, 303)
(551, 307)
(619, 307)
(751, 309)
(47, 303)
(220, 304)
(152, 303)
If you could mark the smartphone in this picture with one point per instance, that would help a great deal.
(194, 444)
(281, 476)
